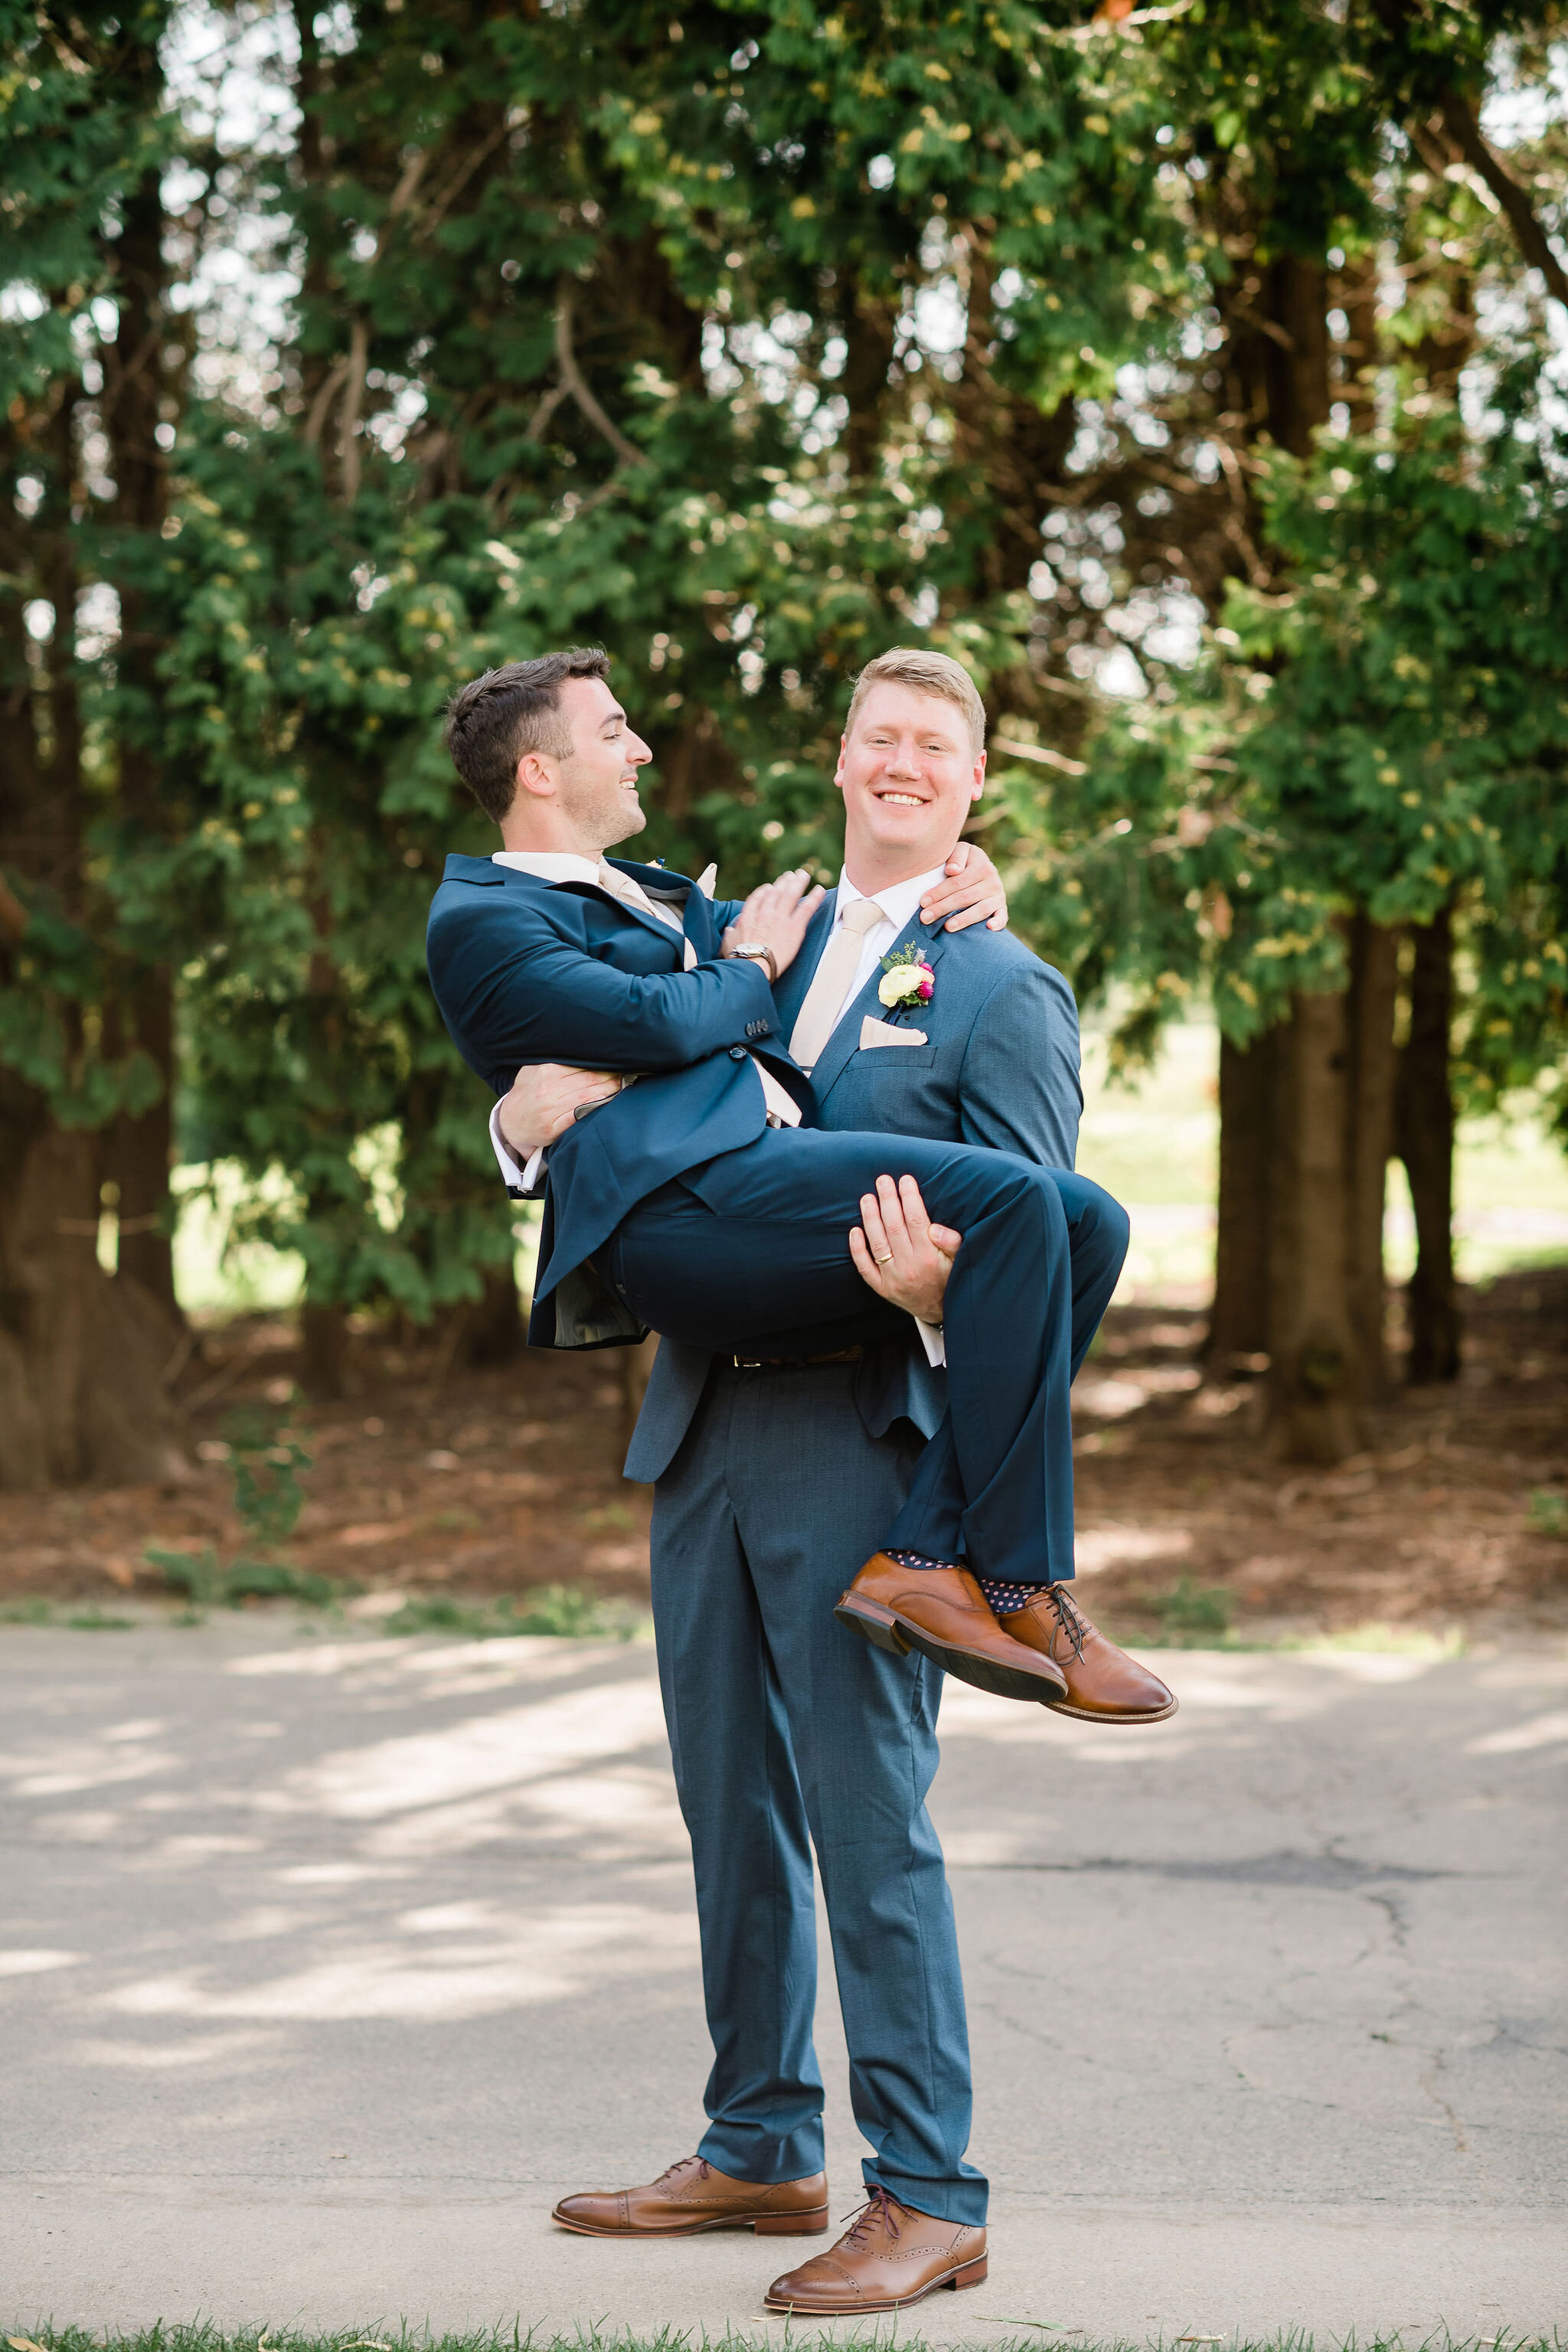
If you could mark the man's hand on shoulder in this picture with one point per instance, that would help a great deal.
(545, 1098)
(776, 917)
(972, 892)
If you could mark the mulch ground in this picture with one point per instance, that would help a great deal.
(429, 1480)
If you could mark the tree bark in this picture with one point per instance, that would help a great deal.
(492, 1324)
(81, 1356)
(1312, 1372)
(1423, 1107)
(324, 1351)
(139, 1154)
(1239, 1324)
(1295, 369)
(869, 324)
(140, 1151)
(1373, 989)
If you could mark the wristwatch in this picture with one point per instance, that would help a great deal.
(755, 954)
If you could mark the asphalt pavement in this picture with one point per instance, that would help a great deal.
(328, 1961)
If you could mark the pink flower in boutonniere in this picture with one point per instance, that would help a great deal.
(907, 979)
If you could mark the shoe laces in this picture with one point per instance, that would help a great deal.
(1073, 1625)
(878, 2207)
(703, 2168)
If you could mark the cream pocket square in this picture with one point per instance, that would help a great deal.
(886, 1032)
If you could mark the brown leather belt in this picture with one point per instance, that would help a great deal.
(793, 1363)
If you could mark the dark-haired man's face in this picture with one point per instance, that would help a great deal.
(596, 784)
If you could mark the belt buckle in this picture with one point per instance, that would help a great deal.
(747, 1363)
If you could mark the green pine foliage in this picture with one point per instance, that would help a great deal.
(746, 340)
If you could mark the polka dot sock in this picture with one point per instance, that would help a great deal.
(1006, 1598)
(1003, 1597)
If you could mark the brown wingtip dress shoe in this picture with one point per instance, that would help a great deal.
(1103, 1684)
(694, 2195)
(888, 2256)
(942, 1614)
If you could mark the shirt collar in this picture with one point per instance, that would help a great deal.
(898, 904)
(549, 864)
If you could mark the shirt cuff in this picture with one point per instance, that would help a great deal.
(933, 1340)
(526, 1179)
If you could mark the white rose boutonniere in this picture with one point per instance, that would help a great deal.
(907, 979)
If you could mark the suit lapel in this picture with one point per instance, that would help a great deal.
(650, 922)
(790, 994)
(845, 1038)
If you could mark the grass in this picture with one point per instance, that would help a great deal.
(1548, 1512)
(548, 1609)
(212, 1583)
(1195, 1617)
(88, 1618)
(381, 2338)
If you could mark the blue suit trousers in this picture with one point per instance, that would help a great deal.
(788, 1734)
(749, 1253)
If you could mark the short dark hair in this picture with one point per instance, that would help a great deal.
(494, 719)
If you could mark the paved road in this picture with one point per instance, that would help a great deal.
(330, 1962)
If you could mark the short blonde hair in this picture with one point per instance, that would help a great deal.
(928, 673)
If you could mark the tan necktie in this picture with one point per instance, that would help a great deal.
(632, 894)
(782, 1111)
(819, 1015)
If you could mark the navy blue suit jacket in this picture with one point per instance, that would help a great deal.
(526, 970)
(1000, 1068)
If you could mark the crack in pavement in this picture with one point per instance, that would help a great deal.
(1327, 1873)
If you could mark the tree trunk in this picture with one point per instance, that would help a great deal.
(1295, 371)
(1239, 1324)
(869, 324)
(1424, 1130)
(139, 1156)
(324, 1351)
(492, 1324)
(1313, 1382)
(1374, 983)
(140, 1151)
(81, 1356)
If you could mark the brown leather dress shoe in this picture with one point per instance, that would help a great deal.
(1103, 1684)
(694, 2195)
(942, 1614)
(888, 2256)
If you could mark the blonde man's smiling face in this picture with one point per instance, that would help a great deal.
(910, 776)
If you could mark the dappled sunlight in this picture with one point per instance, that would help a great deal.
(427, 1949)
(491, 1962)
(1521, 1738)
(557, 1735)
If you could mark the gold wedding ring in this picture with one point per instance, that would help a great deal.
(885, 1259)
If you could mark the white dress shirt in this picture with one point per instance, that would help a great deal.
(898, 905)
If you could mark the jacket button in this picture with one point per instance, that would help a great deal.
(737, 1052)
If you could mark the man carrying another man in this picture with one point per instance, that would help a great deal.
(774, 1478)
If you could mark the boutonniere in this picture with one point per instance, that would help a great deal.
(907, 979)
